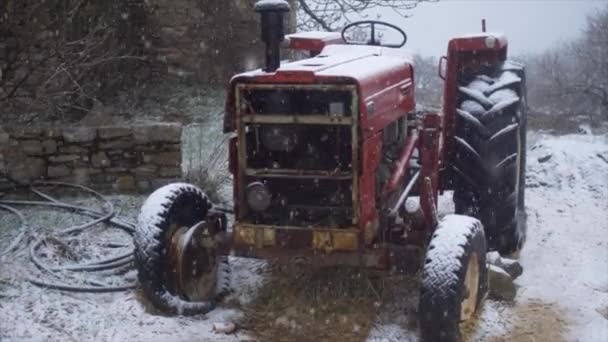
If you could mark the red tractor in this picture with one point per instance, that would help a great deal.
(324, 153)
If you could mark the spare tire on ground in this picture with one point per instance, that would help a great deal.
(167, 216)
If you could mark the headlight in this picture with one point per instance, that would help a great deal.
(258, 196)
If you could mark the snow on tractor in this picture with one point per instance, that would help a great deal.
(324, 153)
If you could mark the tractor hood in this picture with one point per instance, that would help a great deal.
(354, 62)
(373, 69)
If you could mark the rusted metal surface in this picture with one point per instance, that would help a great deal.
(401, 165)
(371, 155)
(295, 244)
(430, 162)
(191, 261)
(432, 204)
(370, 258)
(245, 119)
(370, 231)
(324, 239)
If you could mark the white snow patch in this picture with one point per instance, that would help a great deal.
(263, 5)
(481, 35)
(479, 84)
(566, 258)
(473, 107)
(315, 35)
(506, 78)
(512, 65)
(477, 96)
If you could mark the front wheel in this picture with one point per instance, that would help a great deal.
(178, 270)
(454, 278)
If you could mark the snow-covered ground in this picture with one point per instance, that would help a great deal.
(563, 293)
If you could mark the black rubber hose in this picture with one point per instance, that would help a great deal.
(72, 288)
(98, 218)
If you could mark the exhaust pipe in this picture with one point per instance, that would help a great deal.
(273, 33)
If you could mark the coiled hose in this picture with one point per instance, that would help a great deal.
(106, 216)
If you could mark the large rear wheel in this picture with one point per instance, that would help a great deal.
(490, 154)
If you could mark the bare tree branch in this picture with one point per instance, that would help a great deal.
(573, 78)
(330, 15)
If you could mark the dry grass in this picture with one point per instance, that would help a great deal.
(205, 155)
(333, 304)
(536, 321)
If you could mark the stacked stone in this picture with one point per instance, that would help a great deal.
(126, 158)
(205, 41)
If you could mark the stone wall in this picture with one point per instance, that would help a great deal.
(208, 40)
(135, 158)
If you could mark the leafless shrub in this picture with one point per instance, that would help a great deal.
(205, 161)
(429, 87)
(333, 14)
(572, 79)
(63, 56)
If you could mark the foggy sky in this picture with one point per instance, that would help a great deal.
(530, 25)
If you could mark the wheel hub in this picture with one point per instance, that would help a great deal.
(192, 262)
(471, 282)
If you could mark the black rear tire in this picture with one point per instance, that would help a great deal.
(172, 206)
(443, 291)
(489, 157)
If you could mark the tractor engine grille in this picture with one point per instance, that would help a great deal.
(298, 147)
(306, 203)
(297, 101)
(307, 171)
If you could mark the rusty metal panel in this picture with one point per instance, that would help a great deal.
(430, 151)
(322, 240)
(346, 241)
(374, 258)
(326, 239)
(244, 235)
(268, 237)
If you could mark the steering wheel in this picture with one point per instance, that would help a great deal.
(373, 41)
